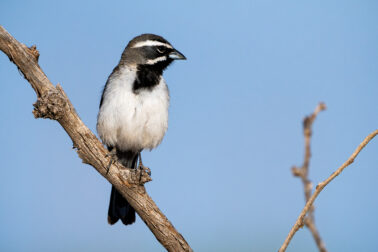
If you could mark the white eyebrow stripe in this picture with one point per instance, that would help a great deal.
(151, 43)
(156, 60)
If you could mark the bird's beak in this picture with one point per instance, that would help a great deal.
(176, 55)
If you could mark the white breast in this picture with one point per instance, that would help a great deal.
(132, 121)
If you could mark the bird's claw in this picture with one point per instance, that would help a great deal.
(142, 167)
(113, 157)
(145, 169)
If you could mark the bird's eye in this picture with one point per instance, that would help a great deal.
(160, 50)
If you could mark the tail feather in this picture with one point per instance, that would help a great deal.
(119, 208)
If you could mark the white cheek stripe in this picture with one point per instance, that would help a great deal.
(156, 60)
(151, 43)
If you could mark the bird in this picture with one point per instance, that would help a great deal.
(133, 113)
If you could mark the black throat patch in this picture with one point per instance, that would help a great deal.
(148, 76)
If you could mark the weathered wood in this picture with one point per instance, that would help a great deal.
(54, 104)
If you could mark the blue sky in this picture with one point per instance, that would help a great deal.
(222, 173)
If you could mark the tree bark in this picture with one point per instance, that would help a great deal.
(54, 104)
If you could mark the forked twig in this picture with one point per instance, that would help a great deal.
(300, 220)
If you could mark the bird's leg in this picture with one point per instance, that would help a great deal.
(142, 167)
(113, 157)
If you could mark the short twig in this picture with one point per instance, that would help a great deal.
(303, 174)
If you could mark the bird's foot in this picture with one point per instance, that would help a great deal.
(142, 167)
(144, 173)
(113, 157)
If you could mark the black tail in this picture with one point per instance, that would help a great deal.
(119, 208)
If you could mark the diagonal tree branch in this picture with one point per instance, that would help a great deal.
(302, 172)
(299, 222)
(54, 104)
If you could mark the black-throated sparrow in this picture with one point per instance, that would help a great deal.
(134, 108)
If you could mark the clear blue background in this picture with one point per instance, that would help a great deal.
(222, 174)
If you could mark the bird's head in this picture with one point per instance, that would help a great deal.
(151, 51)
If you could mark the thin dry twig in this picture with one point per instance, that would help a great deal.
(300, 220)
(54, 104)
(302, 172)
